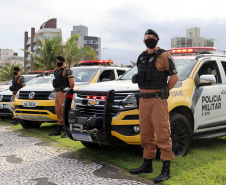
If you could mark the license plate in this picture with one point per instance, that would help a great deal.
(1, 106)
(82, 137)
(29, 104)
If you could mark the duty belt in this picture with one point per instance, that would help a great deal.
(58, 90)
(150, 95)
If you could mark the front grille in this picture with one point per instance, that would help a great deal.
(39, 95)
(87, 110)
(98, 109)
(7, 98)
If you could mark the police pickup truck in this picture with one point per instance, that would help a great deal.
(35, 105)
(107, 114)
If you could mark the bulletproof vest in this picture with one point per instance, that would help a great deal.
(60, 81)
(15, 85)
(148, 75)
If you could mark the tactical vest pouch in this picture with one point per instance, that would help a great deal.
(135, 78)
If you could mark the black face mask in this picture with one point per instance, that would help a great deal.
(151, 43)
(59, 64)
(15, 73)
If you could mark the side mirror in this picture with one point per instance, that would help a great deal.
(205, 80)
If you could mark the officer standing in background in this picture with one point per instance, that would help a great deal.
(154, 67)
(63, 79)
(17, 82)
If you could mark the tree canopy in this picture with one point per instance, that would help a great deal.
(44, 56)
(6, 72)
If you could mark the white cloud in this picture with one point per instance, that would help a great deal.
(120, 23)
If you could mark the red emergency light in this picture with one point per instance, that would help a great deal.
(191, 50)
(96, 97)
(95, 62)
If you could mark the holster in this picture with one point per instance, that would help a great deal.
(164, 93)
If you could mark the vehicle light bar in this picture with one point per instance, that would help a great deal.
(95, 62)
(191, 50)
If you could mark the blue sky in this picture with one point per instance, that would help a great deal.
(120, 23)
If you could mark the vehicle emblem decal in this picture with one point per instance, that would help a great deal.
(31, 95)
(93, 102)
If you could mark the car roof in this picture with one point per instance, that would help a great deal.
(101, 67)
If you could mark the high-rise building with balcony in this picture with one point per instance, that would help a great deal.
(192, 39)
(47, 29)
(85, 40)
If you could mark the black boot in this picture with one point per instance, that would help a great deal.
(14, 121)
(64, 136)
(165, 173)
(17, 121)
(57, 132)
(145, 168)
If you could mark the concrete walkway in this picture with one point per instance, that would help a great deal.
(28, 161)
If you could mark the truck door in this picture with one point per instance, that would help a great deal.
(210, 106)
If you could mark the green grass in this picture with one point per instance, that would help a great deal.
(205, 164)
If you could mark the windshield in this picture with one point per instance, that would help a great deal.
(27, 78)
(37, 81)
(9, 82)
(184, 67)
(84, 74)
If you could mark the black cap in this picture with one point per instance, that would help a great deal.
(61, 58)
(16, 69)
(152, 32)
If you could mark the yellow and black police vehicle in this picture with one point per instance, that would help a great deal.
(107, 113)
(35, 105)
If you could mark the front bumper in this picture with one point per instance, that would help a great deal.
(43, 112)
(105, 130)
(6, 109)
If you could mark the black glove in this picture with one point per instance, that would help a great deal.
(11, 88)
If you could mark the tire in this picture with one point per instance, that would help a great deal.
(29, 124)
(180, 134)
(90, 145)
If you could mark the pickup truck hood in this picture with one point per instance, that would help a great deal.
(4, 87)
(6, 92)
(48, 87)
(117, 85)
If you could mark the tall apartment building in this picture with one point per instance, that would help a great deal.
(7, 56)
(47, 29)
(192, 39)
(85, 40)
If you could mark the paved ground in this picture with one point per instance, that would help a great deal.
(28, 161)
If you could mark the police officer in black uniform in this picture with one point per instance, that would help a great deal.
(17, 82)
(63, 79)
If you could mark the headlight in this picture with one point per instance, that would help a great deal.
(1, 97)
(52, 95)
(130, 101)
(17, 94)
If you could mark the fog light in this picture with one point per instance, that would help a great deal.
(136, 129)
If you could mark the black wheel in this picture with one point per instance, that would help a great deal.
(29, 124)
(90, 145)
(180, 134)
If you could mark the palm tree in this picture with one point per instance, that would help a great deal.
(133, 63)
(44, 57)
(73, 54)
(6, 72)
